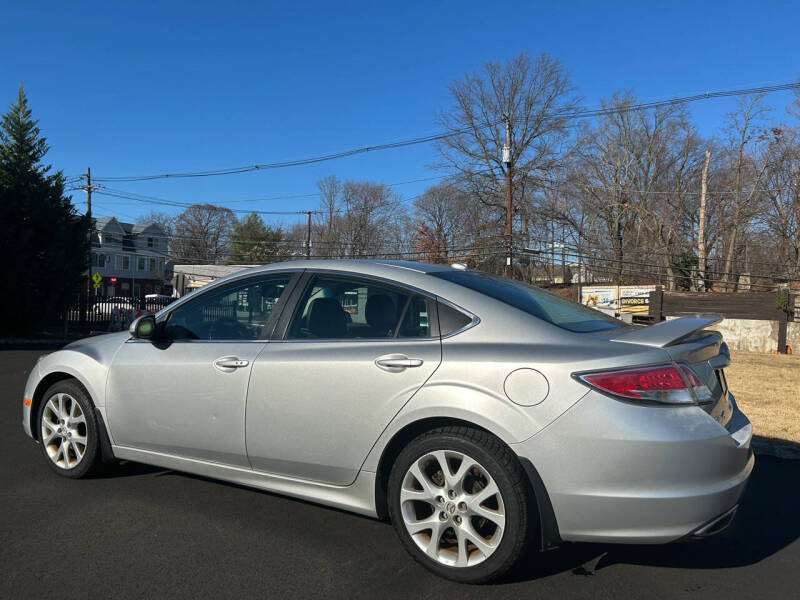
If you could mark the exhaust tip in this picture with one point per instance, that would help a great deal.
(716, 525)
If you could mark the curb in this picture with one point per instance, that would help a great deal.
(776, 448)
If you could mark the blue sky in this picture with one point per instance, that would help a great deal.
(153, 87)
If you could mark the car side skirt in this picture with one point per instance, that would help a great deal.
(358, 497)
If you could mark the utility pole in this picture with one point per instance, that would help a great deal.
(701, 229)
(88, 189)
(509, 198)
(308, 234)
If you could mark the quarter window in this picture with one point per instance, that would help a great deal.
(345, 308)
(451, 320)
(234, 312)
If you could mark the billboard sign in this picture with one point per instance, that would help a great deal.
(620, 298)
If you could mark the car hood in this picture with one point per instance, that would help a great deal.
(101, 348)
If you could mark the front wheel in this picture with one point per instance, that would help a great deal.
(457, 501)
(68, 429)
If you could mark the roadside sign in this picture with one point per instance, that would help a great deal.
(620, 298)
(97, 278)
(96, 285)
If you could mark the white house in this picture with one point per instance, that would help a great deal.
(132, 259)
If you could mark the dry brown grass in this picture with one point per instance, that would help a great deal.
(767, 389)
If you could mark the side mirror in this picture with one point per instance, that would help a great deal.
(143, 328)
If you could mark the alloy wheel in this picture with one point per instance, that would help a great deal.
(64, 433)
(452, 508)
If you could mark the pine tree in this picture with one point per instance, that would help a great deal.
(43, 240)
(253, 242)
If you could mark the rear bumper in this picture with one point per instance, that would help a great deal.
(622, 473)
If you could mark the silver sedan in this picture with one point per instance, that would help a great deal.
(480, 415)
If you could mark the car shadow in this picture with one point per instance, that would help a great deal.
(117, 470)
(765, 523)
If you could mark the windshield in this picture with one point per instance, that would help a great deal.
(534, 301)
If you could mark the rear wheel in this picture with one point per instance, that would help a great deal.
(68, 429)
(457, 501)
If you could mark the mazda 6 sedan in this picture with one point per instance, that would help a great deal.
(479, 415)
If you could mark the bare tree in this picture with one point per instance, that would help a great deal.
(781, 214)
(441, 216)
(536, 96)
(330, 189)
(746, 166)
(162, 219)
(369, 212)
(202, 234)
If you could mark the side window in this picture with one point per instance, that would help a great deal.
(415, 320)
(238, 311)
(349, 308)
(450, 319)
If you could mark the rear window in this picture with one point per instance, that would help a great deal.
(534, 301)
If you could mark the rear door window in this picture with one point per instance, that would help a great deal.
(341, 308)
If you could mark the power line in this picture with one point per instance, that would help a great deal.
(104, 191)
(443, 135)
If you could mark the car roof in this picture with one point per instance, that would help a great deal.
(357, 265)
(415, 274)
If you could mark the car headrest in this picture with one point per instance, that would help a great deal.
(326, 318)
(380, 312)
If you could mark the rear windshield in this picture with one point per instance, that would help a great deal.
(534, 301)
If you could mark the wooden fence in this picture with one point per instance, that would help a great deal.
(759, 306)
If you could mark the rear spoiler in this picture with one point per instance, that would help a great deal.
(667, 332)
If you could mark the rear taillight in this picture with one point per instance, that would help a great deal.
(665, 384)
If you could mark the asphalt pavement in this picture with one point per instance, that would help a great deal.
(141, 532)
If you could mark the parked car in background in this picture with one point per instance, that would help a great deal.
(479, 414)
(105, 307)
(155, 302)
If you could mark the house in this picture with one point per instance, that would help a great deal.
(132, 259)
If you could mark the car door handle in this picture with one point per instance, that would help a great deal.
(230, 362)
(397, 362)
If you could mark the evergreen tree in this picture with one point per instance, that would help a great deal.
(43, 240)
(253, 242)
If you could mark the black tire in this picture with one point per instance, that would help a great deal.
(91, 456)
(503, 467)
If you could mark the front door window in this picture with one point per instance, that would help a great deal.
(238, 311)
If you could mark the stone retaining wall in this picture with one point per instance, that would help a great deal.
(757, 336)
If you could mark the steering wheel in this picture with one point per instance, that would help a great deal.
(228, 328)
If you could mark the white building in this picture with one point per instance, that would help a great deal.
(132, 259)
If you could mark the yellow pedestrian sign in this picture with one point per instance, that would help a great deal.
(96, 279)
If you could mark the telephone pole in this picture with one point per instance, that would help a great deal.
(509, 198)
(85, 301)
(308, 234)
(701, 229)
(88, 190)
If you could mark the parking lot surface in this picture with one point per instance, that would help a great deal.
(141, 532)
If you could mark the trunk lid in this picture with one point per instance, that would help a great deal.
(687, 340)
